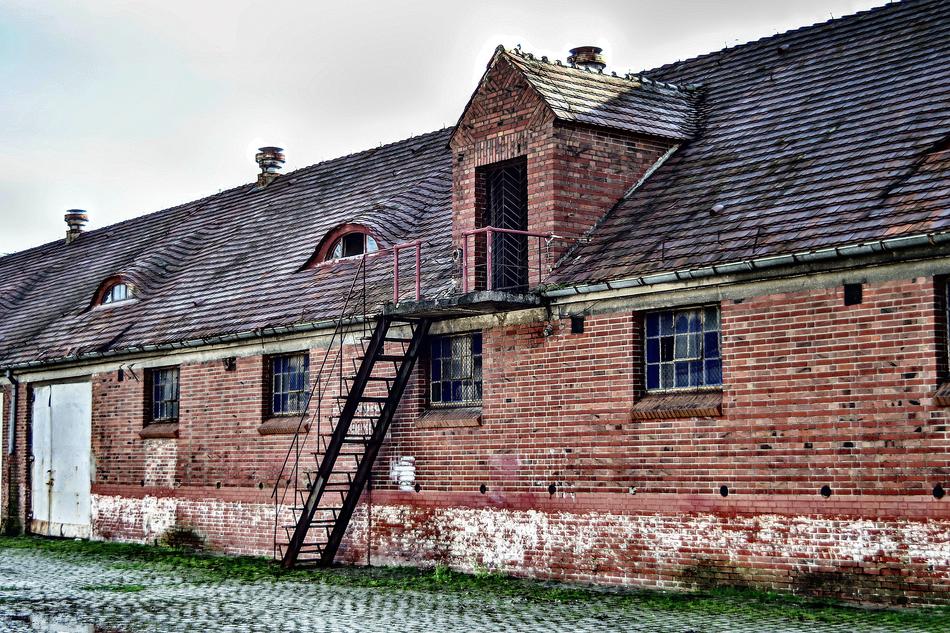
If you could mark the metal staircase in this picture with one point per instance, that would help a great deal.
(326, 496)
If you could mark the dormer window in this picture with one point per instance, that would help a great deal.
(115, 293)
(346, 240)
(352, 245)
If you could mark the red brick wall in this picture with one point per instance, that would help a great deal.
(816, 393)
(14, 496)
(822, 393)
(576, 173)
(853, 382)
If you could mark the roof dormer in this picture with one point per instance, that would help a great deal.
(580, 137)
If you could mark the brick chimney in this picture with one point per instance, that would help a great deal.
(75, 220)
(271, 160)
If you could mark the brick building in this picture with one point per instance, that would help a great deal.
(670, 329)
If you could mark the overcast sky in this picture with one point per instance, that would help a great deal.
(124, 107)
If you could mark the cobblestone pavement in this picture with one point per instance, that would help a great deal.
(40, 592)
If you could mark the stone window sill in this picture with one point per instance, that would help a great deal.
(450, 418)
(159, 431)
(282, 426)
(942, 395)
(692, 404)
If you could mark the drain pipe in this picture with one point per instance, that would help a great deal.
(11, 511)
(11, 438)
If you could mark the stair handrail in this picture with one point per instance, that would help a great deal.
(296, 445)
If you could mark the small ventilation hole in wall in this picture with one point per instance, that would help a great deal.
(418, 488)
(939, 492)
(724, 491)
(552, 489)
(483, 489)
(260, 485)
(577, 325)
(853, 294)
(121, 374)
(825, 491)
(217, 484)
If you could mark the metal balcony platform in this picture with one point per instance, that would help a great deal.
(469, 304)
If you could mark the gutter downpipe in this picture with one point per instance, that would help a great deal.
(748, 265)
(11, 438)
(11, 511)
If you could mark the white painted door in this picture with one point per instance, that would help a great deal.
(62, 447)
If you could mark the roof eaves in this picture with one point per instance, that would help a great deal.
(754, 264)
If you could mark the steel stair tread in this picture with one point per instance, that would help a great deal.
(379, 399)
(363, 447)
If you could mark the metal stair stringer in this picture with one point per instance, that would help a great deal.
(374, 352)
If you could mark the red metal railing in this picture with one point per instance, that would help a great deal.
(417, 245)
(489, 232)
(472, 258)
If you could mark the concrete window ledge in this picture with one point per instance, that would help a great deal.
(693, 404)
(282, 426)
(160, 431)
(450, 418)
(942, 395)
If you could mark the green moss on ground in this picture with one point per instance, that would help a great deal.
(114, 588)
(741, 602)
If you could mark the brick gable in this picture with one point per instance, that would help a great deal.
(576, 172)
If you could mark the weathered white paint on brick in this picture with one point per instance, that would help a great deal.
(231, 526)
(529, 541)
(159, 462)
(126, 519)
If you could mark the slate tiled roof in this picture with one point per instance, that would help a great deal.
(633, 104)
(827, 135)
(229, 263)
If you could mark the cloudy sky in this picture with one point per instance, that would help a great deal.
(123, 107)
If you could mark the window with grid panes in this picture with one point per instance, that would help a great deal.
(290, 384)
(165, 394)
(682, 349)
(116, 293)
(455, 370)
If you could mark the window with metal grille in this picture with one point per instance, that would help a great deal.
(506, 207)
(946, 332)
(115, 293)
(682, 349)
(164, 387)
(290, 384)
(455, 370)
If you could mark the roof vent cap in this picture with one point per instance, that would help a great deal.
(271, 161)
(75, 219)
(588, 58)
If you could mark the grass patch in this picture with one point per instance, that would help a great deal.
(740, 602)
(114, 588)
